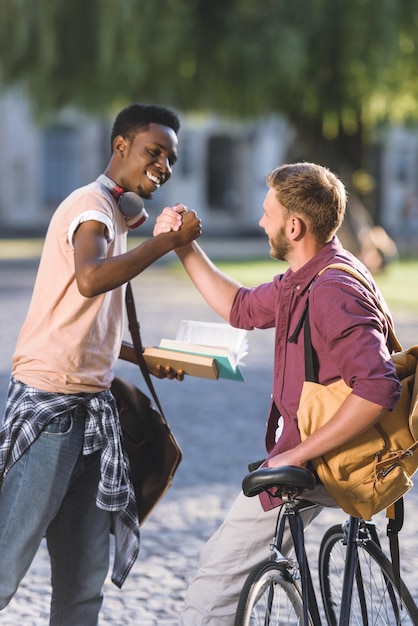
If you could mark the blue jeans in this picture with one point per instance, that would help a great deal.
(51, 492)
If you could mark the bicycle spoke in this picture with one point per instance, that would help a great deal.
(376, 600)
(269, 599)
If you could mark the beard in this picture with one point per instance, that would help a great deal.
(280, 246)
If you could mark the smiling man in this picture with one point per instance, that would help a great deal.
(63, 469)
(302, 212)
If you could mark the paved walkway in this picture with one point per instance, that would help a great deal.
(220, 426)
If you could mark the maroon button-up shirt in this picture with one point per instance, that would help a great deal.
(349, 335)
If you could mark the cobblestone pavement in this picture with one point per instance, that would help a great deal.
(220, 426)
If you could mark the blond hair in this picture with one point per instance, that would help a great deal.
(312, 192)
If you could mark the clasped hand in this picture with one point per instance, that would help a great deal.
(178, 219)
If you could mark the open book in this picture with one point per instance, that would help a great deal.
(206, 349)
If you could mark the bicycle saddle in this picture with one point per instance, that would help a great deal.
(282, 478)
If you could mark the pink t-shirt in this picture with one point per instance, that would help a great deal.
(69, 343)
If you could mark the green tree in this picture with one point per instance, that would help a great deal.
(337, 69)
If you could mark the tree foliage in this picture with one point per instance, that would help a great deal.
(343, 64)
(335, 68)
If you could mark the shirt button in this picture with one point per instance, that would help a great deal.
(297, 287)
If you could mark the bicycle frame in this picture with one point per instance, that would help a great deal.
(291, 514)
(349, 571)
(352, 529)
(358, 560)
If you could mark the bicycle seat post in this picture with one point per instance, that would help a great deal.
(289, 503)
(288, 496)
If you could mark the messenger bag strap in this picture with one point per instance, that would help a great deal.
(133, 325)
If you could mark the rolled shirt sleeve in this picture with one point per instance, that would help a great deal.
(346, 323)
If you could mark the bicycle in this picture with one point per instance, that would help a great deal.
(356, 578)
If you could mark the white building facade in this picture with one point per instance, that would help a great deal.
(220, 171)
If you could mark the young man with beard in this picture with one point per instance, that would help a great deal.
(303, 209)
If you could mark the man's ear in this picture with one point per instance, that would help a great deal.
(119, 146)
(296, 227)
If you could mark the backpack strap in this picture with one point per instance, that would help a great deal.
(394, 513)
(395, 344)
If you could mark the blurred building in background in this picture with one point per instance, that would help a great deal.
(220, 172)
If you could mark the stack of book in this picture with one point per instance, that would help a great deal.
(205, 349)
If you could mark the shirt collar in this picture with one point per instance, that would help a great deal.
(306, 274)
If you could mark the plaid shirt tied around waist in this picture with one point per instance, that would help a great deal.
(29, 410)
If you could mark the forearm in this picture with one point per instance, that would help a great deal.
(104, 274)
(218, 289)
(97, 273)
(353, 418)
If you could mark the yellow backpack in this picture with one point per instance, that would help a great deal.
(374, 470)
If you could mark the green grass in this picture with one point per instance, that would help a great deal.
(399, 285)
(251, 273)
(398, 282)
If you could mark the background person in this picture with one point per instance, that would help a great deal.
(64, 474)
(303, 209)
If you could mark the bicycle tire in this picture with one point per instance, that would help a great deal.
(286, 601)
(383, 604)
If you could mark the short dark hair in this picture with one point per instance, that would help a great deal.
(136, 117)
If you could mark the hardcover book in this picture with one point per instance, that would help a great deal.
(205, 349)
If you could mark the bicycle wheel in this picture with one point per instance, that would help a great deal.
(375, 601)
(269, 598)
